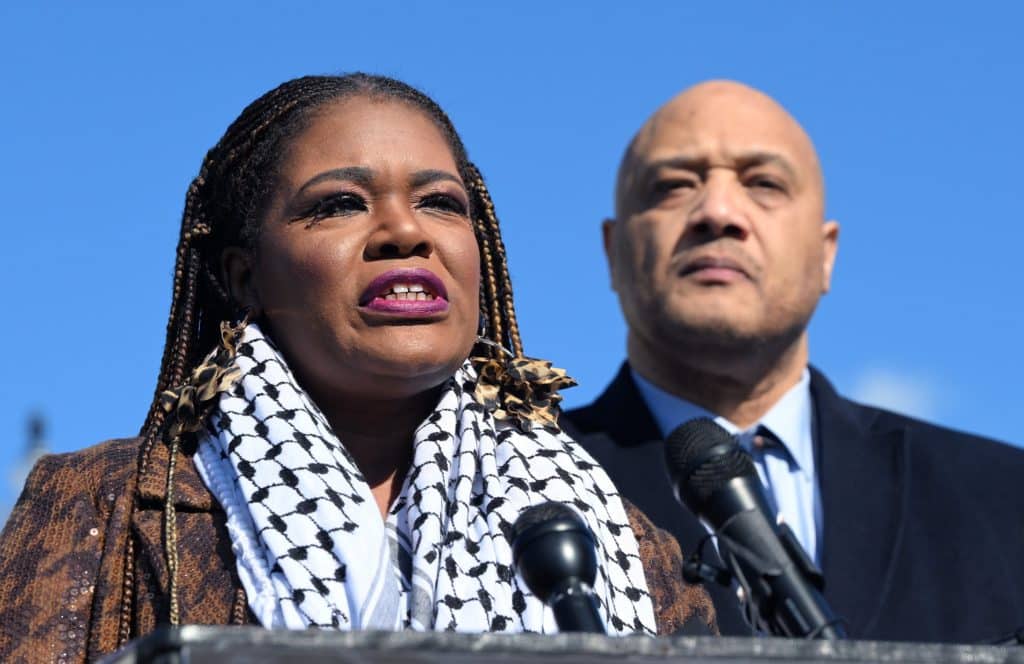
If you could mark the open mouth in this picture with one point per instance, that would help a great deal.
(407, 292)
(413, 291)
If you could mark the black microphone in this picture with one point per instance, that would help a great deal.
(553, 551)
(716, 479)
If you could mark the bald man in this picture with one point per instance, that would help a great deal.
(719, 252)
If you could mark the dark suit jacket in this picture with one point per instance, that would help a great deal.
(923, 526)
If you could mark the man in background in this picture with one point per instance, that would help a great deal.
(719, 252)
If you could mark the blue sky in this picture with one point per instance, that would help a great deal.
(915, 109)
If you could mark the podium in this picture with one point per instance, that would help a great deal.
(254, 645)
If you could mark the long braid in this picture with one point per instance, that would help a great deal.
(176, 350)
(508, 307)
(497, 269)
(155, 415)
(489, 279)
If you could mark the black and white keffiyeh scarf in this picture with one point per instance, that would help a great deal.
(312, 549)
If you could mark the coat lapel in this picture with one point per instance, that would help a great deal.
(208, 584)
(189, 491)
(864, 477)
(621, 411)
(190, 497)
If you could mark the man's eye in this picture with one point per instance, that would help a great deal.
(662, 187)
(765, 183)
(443, 202)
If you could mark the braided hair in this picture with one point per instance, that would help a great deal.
(225, 202)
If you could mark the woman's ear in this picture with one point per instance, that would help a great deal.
(236, 266)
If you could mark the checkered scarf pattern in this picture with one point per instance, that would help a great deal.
(313, 551)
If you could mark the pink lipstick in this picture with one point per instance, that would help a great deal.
(409, 292)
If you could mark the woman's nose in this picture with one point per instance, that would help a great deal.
(399, 234)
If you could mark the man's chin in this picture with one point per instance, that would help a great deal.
(702, 334)
(710, 323)
(724, 335)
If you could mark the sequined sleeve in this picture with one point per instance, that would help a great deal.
(676, 603)
(50, 554)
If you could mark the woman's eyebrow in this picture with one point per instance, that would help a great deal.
(425, 177)
(361, 175)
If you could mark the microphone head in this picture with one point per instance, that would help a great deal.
(702, 457)
(551, 546)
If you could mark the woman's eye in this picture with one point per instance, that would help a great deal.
(338, 205)
(443, 202)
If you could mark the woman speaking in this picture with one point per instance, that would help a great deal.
(344, 427)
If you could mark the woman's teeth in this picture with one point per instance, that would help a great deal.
(407, 292)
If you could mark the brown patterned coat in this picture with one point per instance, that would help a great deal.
(82, 565)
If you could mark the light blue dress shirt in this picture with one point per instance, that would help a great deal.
(787, 471)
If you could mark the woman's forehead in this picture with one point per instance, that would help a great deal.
(370, 132)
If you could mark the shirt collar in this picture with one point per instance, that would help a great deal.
(789, 419)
